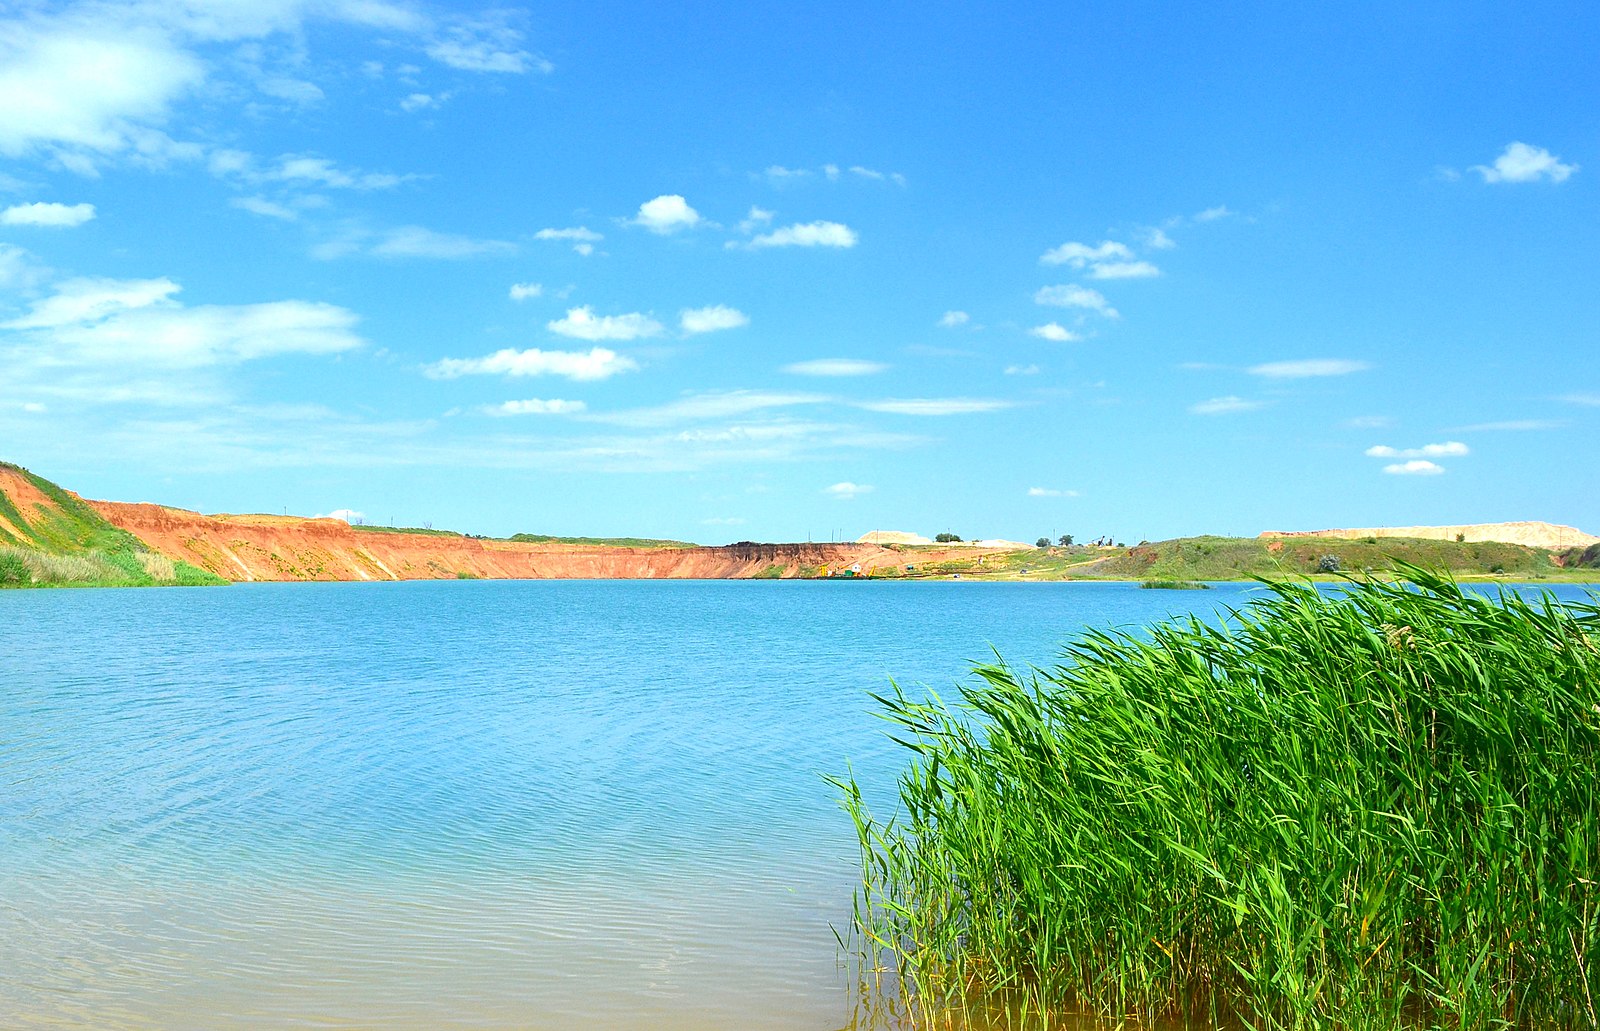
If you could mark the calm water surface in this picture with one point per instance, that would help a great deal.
(592, 804)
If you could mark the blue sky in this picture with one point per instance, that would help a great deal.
(777, 271)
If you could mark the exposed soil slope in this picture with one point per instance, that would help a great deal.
(1529, 534)
(288, 548)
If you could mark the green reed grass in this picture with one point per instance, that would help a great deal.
(1375, 809)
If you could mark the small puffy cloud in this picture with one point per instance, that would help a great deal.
(51, 215)
(1077, 255)
(523, 291)
(583, 324)
(711, 319)
(1071, 295)
(1123, 270)
(348, 515)
(1157, 239)
(595, 364)
(1450, 448)
(1308, 368)
(835, 367)
(582, 234)
(1050, 492)
(418, 242)
(936, 405)
(424, 101)
(1522, 163)
(757, 218)
(1226, 406)
(877, 176)
(667, 213)
(1213, 214)
(832, 172)
(808, 234)
(1416, 467)
(1055, 331)
(952, 319)
(1022, 370)
(535, 406)
(779, 175)
(845, 490)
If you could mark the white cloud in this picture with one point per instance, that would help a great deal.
(1308, 368)
(845, 491)
(835, 367)
(808, 234)
(1054, 331)
(952, 319)
(1157, 239)
(667, 213)
(1522, 163)
(348, 515)
(1511, 426)
(711, 319)
(418, 242)
(523, 291)
(877, 176)
(308, 168)
(580, 233)
(1213, 214)
(266, 208)
(138, 323)
(936, 405)
(1071, 295)
(1123, 270)
(535, 406)
(484, 46)
(1450, 448)
(53, 215)
(757, 218)
(1226, 406)
(1416, 467)
(1078, 255)
(595, 364)
(425, 101)
(700, 407)
(779, 175)
(583, 324)
(1370, 422)
(1588, 400)
(1049, 492)
(1022, 370)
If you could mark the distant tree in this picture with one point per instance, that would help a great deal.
(1328, 564)
(1042, 542)
(1461, 538)
(1065, 540)
(947, 538)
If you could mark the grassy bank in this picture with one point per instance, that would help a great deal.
(62, 542)
(1369, 811)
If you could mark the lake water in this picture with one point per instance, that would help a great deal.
(579, 804)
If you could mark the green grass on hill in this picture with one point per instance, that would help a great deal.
(610, 542)
(423, 531)
(68, 544)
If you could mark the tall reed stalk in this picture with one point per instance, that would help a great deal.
(1373, 809)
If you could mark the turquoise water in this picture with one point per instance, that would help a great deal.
(591, 804)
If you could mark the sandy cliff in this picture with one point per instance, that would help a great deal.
(1529, 534)
(289, 548)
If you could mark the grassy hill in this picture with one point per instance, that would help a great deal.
(50, 538)
(1238, 558)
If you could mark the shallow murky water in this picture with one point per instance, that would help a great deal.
(519, 804)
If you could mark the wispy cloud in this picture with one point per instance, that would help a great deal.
(1587, 400)
(847, 491)
(1369, 422)
(1523, 163)
(536, 406)
(1077, 255)
(524, 291)
(1213, 214)
(583, 324)
(595, 364)
(1308, 368)
(1071, 295)
(709, 406)
(936, 405)
(1449, 449)
(837, 367)
(806, 234)
(711, 319)
(1226, 406)
(1124, 270)
(953, 319)
(1051, 492)
(1511, 426)
(1022, 370)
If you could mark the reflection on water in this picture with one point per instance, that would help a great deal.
(547, 805)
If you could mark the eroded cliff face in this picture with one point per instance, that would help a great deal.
(287, 548)
(1528, 534)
